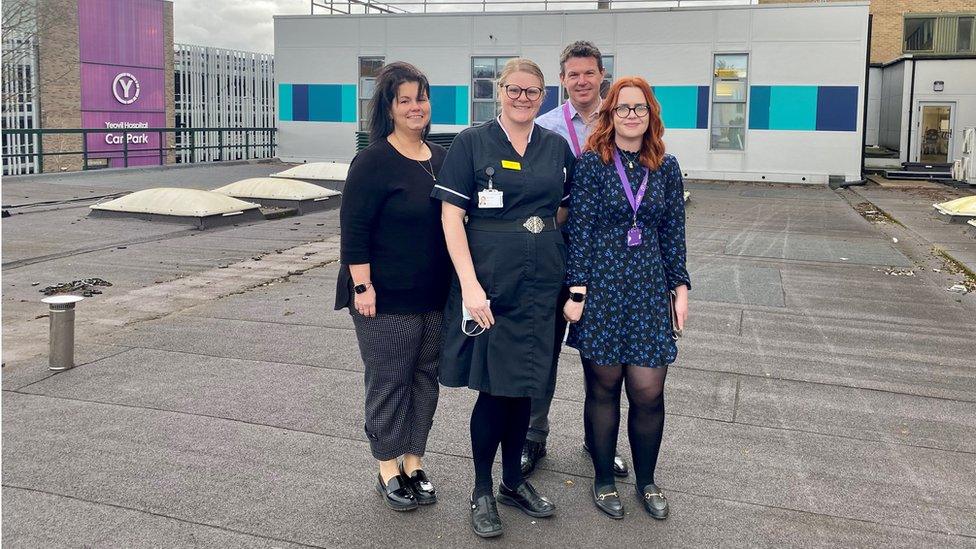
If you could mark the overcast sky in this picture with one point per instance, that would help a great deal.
(236, 24)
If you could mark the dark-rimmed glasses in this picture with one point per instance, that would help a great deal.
(623, 111)
(532, 93)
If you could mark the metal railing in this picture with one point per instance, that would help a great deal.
(231, 144)
(347, 7)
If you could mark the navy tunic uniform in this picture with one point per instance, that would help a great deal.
(519, 257)
(626, 318)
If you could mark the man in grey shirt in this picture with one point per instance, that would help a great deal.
(581, 74)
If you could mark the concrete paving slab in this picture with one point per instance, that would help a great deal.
(812, 192)
(809, 248)
(712, 281)
(779, 359)
(865, 415)
(38, 519)
(250, 478)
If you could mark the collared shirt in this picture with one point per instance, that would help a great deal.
(499, 119)
(554, 120)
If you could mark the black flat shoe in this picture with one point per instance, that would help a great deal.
(655, 503)
(527, 499)
(532, 452)
(484, 517)
(620, 468)
(608, 500)
(397, 493)
(420, 485)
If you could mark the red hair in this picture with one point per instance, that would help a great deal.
(601, 139)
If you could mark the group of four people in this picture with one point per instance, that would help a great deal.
(463, 268)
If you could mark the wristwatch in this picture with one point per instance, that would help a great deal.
(578, 297)
(361, 288)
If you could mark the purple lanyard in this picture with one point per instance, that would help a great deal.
(571, 129)
(634, 202)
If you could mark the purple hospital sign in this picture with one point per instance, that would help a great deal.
(122, 77)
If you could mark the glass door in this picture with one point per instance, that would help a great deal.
(935, 134)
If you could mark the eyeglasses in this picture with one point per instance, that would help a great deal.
(623, 111)
(532, 93)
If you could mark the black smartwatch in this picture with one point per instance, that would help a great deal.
(361, 288)
(578, 297)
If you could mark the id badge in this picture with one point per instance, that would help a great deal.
(490, 198)
(634, 236)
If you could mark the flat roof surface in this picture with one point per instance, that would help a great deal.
(824, 393)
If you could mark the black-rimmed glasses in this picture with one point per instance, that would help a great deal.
(623, 111)
(532, 93)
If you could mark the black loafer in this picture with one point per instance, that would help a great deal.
(620, 468)
(532, 452)
(608, 500)
(397, 493)
(527, 499)
(655, 503)
(484, 517)
(420, 485)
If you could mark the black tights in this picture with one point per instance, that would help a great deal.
(645, 418)
(498, 420)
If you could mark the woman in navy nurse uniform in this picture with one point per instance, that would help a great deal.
(502, 185)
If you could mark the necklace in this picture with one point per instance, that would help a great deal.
(630, 161)
(430, 171)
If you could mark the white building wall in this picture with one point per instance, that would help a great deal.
(873, 127)
(959, 76)
(788, 45)
(893, 104)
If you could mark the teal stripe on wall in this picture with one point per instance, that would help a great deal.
(783, 108)
(449, 105)
(349, 103)
(679, 106)
(284, 102)
(317, 102)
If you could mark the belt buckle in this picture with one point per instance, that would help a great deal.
(534, 224)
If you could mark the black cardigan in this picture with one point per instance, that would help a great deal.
(389, 221)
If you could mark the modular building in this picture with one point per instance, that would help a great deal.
(748, 92)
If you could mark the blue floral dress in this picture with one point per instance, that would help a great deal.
(626, 318)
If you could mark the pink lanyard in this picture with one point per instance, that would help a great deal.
(571, 129)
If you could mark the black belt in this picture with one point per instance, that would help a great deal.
(534, 224)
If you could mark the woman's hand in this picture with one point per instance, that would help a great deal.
(365, 302)
(476, 302)
(572, 311)
(681, 305)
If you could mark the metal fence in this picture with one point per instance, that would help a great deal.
(229, 144)
(348, 7)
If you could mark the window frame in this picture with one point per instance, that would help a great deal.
(904, 32)
(714, 100)
(972, 34)
(363, 102)
(499, 63)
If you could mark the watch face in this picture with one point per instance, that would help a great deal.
(577, 297)
(360, 289)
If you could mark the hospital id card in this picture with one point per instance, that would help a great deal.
(490, 198)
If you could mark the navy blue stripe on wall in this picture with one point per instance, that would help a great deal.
(837, 108)
(299, 94)
(702, 108)
(551, 101)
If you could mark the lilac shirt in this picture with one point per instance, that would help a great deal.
(554, 120)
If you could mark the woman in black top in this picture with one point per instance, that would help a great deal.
(501, 187)
(394, 279)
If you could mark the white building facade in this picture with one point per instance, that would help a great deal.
(221, 88)
(924, 106)
(754, 92)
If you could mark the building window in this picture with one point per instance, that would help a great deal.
(730, 88)
(369, 67)
(964, 39)
(919, 33)
(484, 91)
(607, 77)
